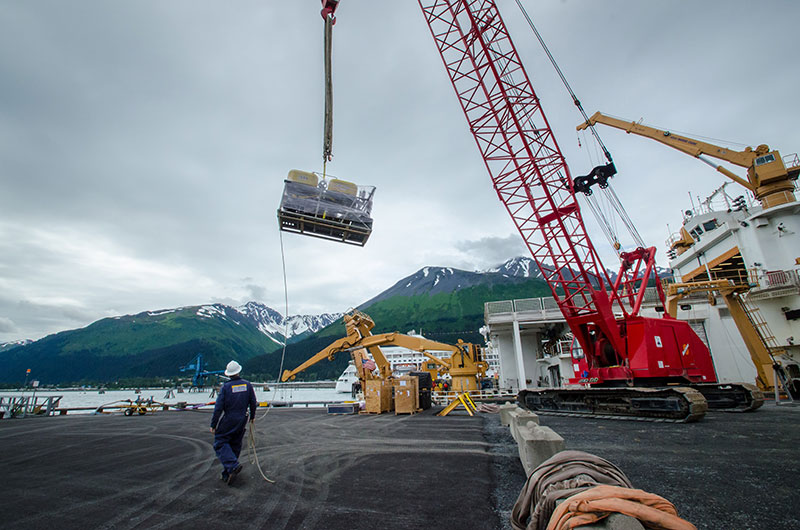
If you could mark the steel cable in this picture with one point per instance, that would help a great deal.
(251, 430)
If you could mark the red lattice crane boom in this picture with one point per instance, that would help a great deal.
(533, 182)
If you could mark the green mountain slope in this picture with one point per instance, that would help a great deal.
(444, 304)
(143, 345)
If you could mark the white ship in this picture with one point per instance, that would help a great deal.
(735, 239)
(345, 382)
(723, 238)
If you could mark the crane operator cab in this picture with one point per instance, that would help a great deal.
(329, 209)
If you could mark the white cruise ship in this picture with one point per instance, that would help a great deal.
(345, 382)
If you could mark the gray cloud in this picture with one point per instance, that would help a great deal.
(32, 319)
(143, 145)
(233, 302)
(493, 250)
(256, 292)
(7, 325)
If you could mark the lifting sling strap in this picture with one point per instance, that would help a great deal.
(327, 142)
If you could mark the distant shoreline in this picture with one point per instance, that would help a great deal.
(325, 383)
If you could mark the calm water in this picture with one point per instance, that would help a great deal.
(91, 398)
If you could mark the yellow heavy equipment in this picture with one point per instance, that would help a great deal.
(466, 364)
(767, 175)
(762, 354)
(466, 367)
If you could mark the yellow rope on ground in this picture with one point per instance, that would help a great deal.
(251, 431)
(253, 454)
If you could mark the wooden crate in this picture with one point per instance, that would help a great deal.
(406, 395)
(377, 396)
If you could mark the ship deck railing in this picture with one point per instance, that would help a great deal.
(21, 406)
(485, 396)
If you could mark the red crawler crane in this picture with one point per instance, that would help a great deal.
(533, 181)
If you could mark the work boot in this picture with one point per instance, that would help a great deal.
(232, 475)
(225, 475)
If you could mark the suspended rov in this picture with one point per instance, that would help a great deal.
(329, 209)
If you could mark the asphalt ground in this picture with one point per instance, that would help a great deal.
(331, 472)
(727, 471)
(352, 472)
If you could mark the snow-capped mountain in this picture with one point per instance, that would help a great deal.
(520, 267)
(13, 344)
(524, 267)
(268, 321)
(435, 280)
(274, 325)
(431, 281)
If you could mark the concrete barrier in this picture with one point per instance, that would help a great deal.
(536, 444)
(505, 413)
(520, 419)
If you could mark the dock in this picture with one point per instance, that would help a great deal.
(376, 471)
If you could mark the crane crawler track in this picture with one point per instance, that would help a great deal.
(731, 397)
(671, 404)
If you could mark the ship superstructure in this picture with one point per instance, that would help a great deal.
(729, 237)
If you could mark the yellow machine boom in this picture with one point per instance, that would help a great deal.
(762, 356)
(466, 361)
(767, 176)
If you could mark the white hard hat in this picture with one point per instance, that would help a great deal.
(233, 368)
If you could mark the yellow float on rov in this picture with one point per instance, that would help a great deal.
(326, 208)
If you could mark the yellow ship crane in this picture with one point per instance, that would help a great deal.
(360, 339)
(767, 176)
(466, 367)
(762, 355)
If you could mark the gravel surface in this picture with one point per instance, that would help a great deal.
(366, 471)
(331, 472)
(727, 471)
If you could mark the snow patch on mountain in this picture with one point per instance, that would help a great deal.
(521, 267)
(14, 344)
(526, 268)
(162, 312)
(210, 311)
(273, 324)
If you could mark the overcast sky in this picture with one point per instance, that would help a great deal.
(143, 145)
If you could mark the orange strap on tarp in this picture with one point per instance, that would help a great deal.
(596, 503)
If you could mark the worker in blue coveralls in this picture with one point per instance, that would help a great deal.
(229, 420)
